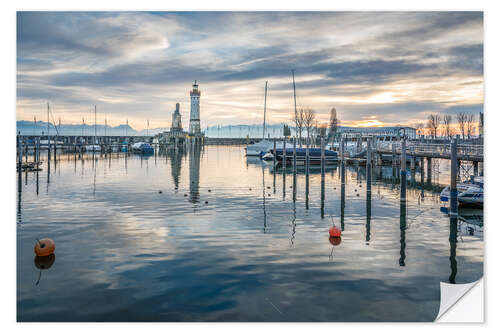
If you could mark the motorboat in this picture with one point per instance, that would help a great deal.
(469, 192)
(142, 148)
(268, 155)
(259, 149)
(473, 196)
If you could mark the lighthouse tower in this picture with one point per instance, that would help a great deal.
(194, 120)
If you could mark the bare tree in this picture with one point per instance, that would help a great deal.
(433, 123)
(299, 124)
(470, 125)
(462, 119)
(309, 120)
(447, 125)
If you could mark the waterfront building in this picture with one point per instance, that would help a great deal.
(384, 131)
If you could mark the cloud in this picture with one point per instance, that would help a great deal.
(136, 65)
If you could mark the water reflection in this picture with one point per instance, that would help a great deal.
(322, 196)
(453, 248)
(264, 200)
(143, 265)
(19, 195)
(342, 194)
(175, 166)
(37, 183)
(294, 224)
(43, 263)
(402, 229)
(368, 216)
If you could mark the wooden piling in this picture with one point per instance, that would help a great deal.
(412, 168)
(429, 170)
(342, 194)
(307, 173)
(368, 165)
(307, 156)
(294, 169)
(453, 179)
(342, 149)
(394, 155)
(403, 170)
(422, 173)
(48, 148)
(19, 153)
(322, 158)
(284, 167)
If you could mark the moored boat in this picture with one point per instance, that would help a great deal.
(469, 193)
(142, 148)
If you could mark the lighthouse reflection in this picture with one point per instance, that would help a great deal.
(175, 166)
(194, 173)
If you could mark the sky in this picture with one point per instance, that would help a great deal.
(375, 68)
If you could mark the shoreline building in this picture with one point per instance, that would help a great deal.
(176, 133)
(194, 119)
(176, 120)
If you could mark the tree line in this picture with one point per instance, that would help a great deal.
(466, 125)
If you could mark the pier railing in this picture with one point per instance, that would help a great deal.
(472, 152)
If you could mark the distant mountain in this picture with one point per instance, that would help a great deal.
(29, 128)
(234, 131)
(241, 131)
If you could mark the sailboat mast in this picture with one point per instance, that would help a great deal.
(95, 123)
(265, 104)
(48, 122)
(295, 102)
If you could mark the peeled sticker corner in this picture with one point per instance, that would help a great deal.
(461, 303)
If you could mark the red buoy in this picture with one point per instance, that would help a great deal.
(335, 232)
(335, 240)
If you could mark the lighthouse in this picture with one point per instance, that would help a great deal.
(194, 120)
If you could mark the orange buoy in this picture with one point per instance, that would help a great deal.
(44, 247)
(335, 240)
(334, 232)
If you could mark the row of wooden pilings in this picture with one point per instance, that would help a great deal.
(23, 150)
(369, 161)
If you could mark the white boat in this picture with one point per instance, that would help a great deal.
(92, 148)
(44, 144)
(473, 196)
(259, 148)
(468, 193)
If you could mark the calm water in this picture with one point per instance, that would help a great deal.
(225, 241)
